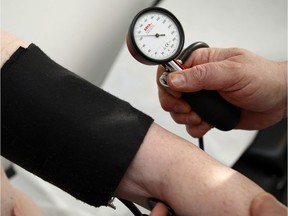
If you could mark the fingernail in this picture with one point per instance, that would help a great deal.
(151, 203)
(177, 79)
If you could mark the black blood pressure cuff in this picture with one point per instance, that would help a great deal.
(66, 130)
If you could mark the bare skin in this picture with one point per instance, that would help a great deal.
(166, 167)
(14, 202)
(256, 85)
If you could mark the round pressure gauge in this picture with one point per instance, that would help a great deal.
(155, 36)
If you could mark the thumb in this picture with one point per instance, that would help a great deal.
(266, 205)
(209, 76)
(159, 210)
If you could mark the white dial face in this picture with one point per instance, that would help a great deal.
(156, 35)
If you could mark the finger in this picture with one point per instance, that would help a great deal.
(159, 210)
(265, 204)
(160, 71)
(190, 118)
(206, 55)
(220, 76)
(173, 93)
(165, 95)
(199, 130)
(171, 104)
(208, 69)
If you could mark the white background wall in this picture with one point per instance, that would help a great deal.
(82, 35)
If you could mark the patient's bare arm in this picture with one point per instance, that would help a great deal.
(189, 180)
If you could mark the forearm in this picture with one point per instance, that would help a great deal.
(185, 177)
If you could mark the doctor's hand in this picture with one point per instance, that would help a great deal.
(254, 84)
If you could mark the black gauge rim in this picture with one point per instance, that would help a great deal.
(137, 53)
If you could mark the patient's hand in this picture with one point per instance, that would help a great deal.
(14, 202)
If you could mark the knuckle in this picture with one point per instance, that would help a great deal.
(200, 73)
(236, 51)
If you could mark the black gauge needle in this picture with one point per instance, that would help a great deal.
(156, 35)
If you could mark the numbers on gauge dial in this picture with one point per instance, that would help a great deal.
(156, 35)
